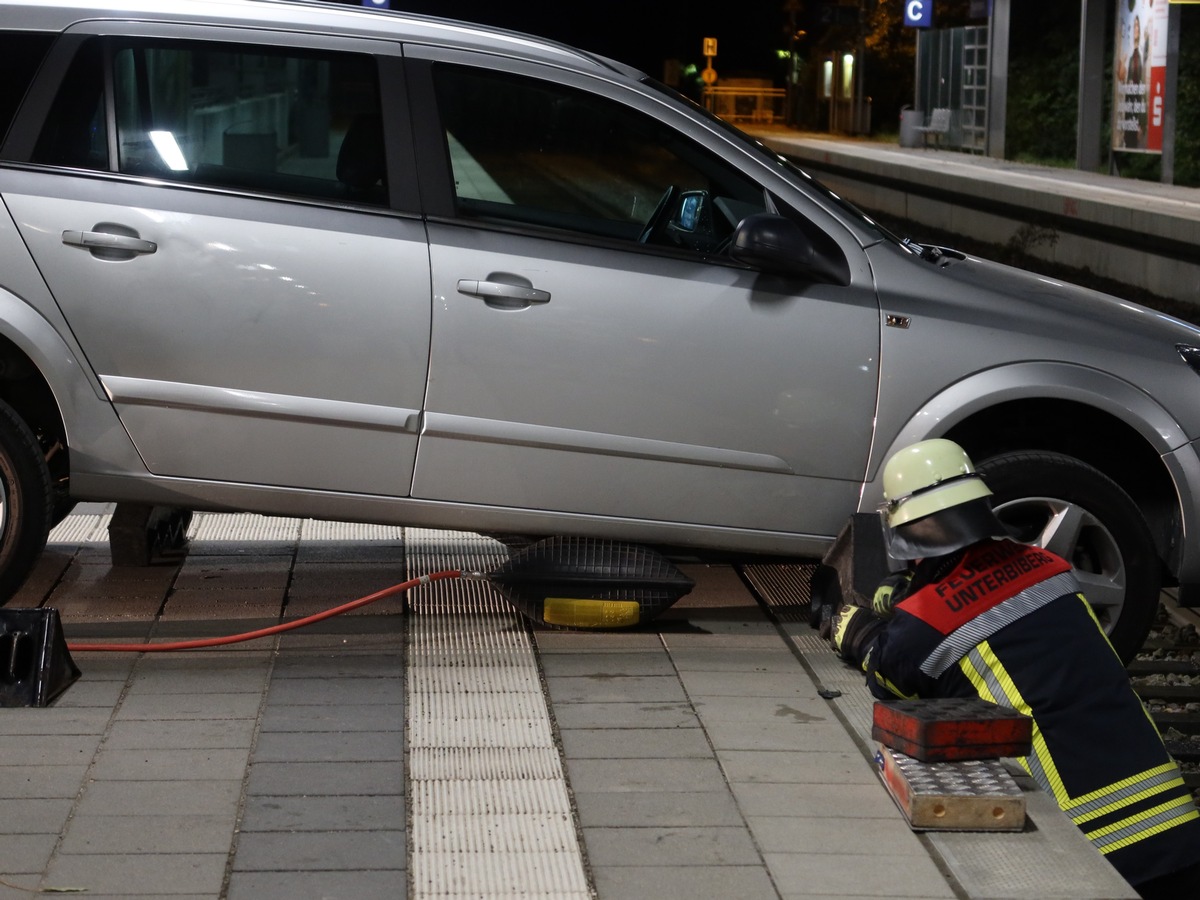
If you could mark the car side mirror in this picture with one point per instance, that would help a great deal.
(773, 244)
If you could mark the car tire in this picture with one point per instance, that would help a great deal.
(825, 595)
(1061, 503)
(60, 507)
(25, 502)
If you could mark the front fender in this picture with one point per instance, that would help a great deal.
(1032, 381)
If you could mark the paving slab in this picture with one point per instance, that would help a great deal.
(347, 851)
(175, 765)
(641, 775)
(136, 874)
(354, 885)
(634, 743)
(104, 833)
(616, 689)
(608, 809)
(292, 813)
(683, 882)
(41, 782)
(685, 845)
(315, 779)
(625, 714)
(869, 874)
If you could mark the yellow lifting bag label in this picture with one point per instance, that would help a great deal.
(577, 612)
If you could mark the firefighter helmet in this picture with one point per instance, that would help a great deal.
(935, 501)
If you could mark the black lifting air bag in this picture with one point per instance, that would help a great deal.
(588, 583)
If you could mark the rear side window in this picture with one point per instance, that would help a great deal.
(230, 115)
(21, 52)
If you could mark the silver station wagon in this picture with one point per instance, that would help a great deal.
(333, 262)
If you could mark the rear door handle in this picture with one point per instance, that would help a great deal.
(103, 240)
(504, 296)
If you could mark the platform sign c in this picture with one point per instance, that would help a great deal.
(918, 13)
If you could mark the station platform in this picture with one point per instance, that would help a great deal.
(438, 746)
(1140, 234)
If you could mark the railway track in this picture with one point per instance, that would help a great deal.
(1166, 675)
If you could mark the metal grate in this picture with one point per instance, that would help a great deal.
(786, 589)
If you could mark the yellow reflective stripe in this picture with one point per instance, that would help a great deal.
(992, 682)
(888, 686)
(1145, 824)
(990, 679)
(842, 621)
(1124, 792)
(967, 664)
(882, 601)
(1092, 612)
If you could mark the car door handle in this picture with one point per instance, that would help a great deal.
(103, 240)
(505, 296)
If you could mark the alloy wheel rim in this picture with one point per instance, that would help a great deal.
(1079, 537)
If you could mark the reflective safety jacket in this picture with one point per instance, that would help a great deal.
(1006, 622)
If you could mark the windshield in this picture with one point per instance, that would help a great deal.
(782, 162)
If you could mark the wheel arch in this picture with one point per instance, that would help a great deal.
(1073, 428)
(42, 379)
(1081, 412)
(26, 390)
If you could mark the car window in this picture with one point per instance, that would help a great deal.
(775, 160)
(75, 133)
(21, 52)
(230, 115)
(527, 151)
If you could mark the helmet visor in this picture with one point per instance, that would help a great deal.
(942, 532)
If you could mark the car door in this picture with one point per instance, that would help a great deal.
(222, 231)
(589, 356)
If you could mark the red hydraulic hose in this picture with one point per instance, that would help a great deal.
(274, 629)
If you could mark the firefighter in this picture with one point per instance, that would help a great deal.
(978, 614)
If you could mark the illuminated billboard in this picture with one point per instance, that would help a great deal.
(1139, 75)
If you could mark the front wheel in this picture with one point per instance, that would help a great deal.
(1076, 511)
(25, 501)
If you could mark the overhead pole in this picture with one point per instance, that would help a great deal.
(1170, 96)
(997, 78)
(1093, 15)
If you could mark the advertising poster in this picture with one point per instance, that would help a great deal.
(1140, 73)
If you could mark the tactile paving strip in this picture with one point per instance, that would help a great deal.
(80, 529)
(489, 808)
(320, 530)
(239, 527)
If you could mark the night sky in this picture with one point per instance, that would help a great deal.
(639, 33)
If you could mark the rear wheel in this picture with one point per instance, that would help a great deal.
(1061, 503)
(25, 501)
